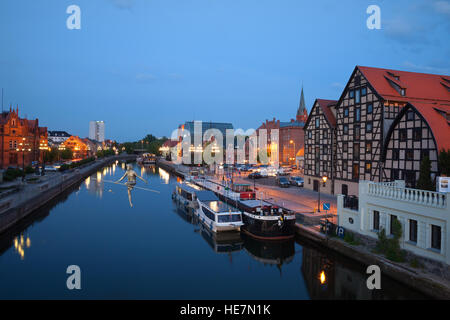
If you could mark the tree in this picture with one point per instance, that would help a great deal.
(66, 154)
(444, 162)
(425, 182)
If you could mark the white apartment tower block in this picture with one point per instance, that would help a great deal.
(97, 130)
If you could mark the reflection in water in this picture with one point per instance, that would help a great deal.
(272, 253)
(20, 243)
(164, 175)
(328, 276)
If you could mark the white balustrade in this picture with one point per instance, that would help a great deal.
(391, 191)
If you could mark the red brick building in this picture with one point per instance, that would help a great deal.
(22, 141)
(291, 135)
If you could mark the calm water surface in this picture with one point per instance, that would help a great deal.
(155, 250)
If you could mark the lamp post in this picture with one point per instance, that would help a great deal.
(324, 179)
(292, 142)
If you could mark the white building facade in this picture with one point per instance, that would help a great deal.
(424, 216)
(97, 130)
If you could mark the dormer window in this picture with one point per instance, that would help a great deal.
(396, 77)
(402, 92)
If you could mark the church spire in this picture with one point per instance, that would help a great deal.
(302, 114)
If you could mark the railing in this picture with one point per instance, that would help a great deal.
(423, 197)
(351, 202)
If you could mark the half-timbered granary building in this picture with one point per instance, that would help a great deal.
(320, 143)
(386, 122)
(371, 101)
(420, 130)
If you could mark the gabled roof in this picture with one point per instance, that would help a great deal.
(440, 126)
(418, 86)
(326, 106)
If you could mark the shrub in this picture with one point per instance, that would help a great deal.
(11, 174)
(350, 238)
(390, 247)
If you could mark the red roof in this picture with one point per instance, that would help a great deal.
(170, 143)
(418, 86)
(326, 107)
(436, 116)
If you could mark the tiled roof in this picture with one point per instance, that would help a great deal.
(326, 108)
(418, 86)
(436, 116)
(170, 143)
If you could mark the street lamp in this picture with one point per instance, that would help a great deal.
(292, 142)
(324, 179)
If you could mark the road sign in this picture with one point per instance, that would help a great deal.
(326, 206)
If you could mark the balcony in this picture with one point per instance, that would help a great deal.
(351, 202)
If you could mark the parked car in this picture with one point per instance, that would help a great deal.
(264, 172)
(282, 172)
(255, 175)
(297, 181)
(283, 182)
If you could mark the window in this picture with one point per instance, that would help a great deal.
(402, 134)
(309, 134)
(358, 114)
(346, 112)
(357, 132)
(356, 151)
(368, 167)
(345, 128)
(357, 96)
(325, 134)
(317, 169)
(369, 147)
(309, 149)
(363, 91)
(351, 94)
(317, 153)
(345, 147)
(409, 154)
(357, 80)
(393, 218)
(436, 237)
(413, 230)
(376, 220)
(369, 126)
(395, 154)
(410, 115)
(317, 122)
(325, 149)
(317, 137)
(370, 108)
(417, 134)
(395, 174)
(355, 173)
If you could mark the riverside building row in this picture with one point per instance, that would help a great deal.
(384, 123)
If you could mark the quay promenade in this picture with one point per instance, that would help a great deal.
(21, 199)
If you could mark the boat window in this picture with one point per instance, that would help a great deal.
(209, 214)
(229, 218)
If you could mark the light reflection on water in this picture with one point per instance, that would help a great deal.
(158, 250)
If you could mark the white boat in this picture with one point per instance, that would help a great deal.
(185, 194)
(217, 215)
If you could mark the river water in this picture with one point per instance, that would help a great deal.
(156, 250)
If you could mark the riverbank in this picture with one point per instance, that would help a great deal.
(417, 279)
(307, 228)
(29, 196)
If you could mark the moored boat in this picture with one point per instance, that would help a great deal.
(263, 220)
(217, 215)
(184, 193)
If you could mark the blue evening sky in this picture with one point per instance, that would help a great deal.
(145, 66)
